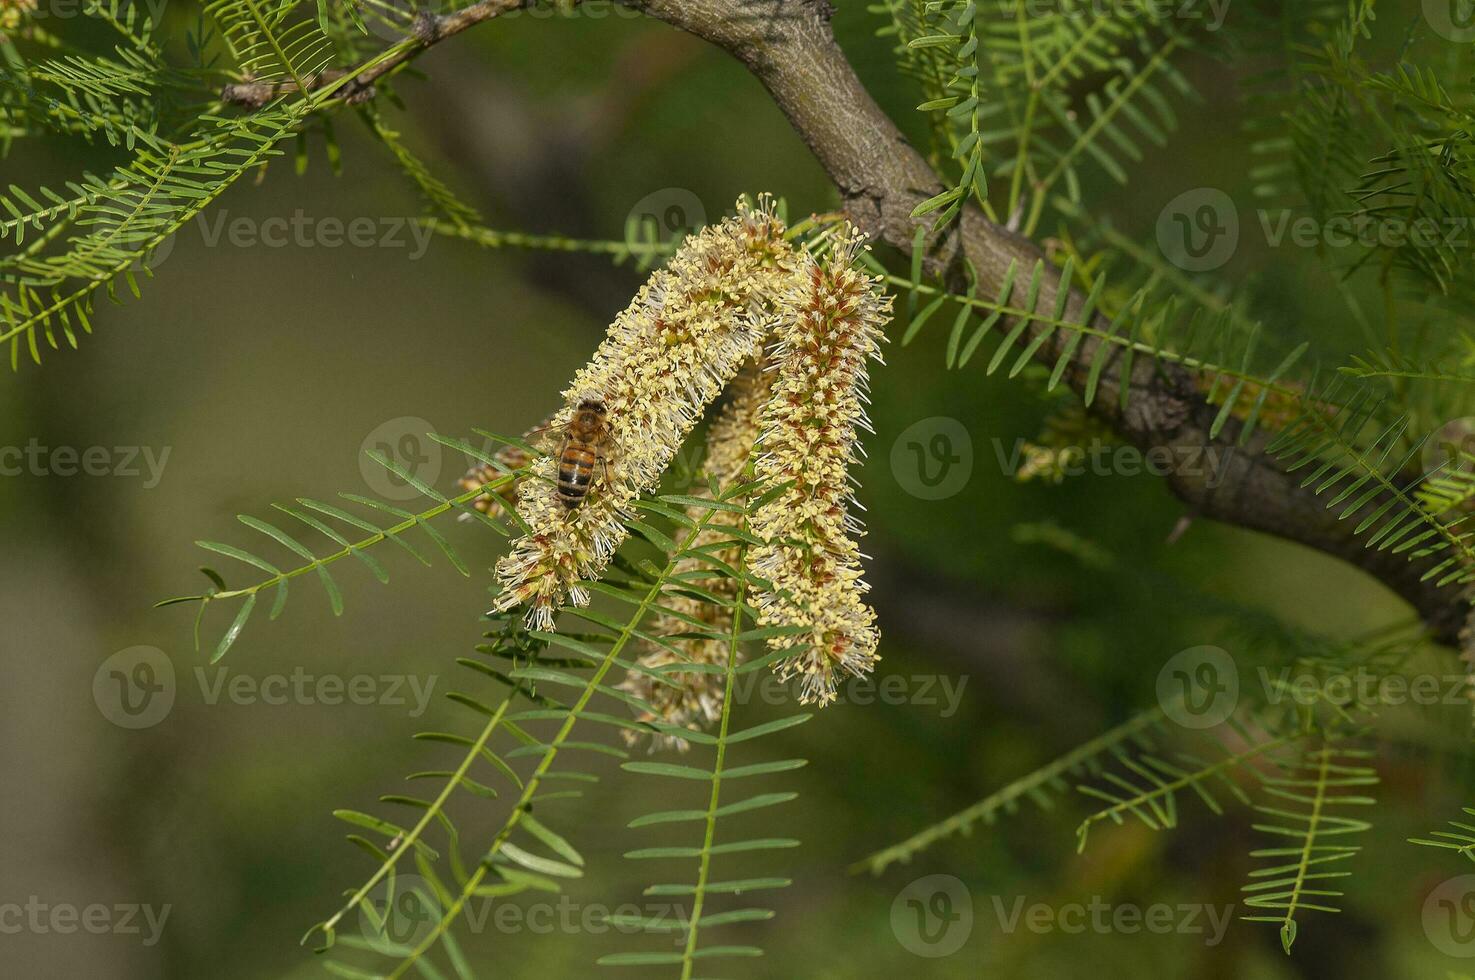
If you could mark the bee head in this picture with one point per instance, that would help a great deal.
(592, 405)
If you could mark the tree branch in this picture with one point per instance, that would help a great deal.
(427, 29)
(789, 46)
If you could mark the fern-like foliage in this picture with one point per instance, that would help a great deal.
(315, 515)
(274, 40)
(97, 234)
(1393, 365)
(1461, 839)
(928, 66)
(1043, 94)
(1144, 770)
(525, 851)
(1355, 450)
(956, 90)
(1274, 37)
(1150, 323)
(120, 222)
(108, 227)
(1385, 149)
(1043, 787)
(1307, 815)
(1147, 785)
(1356, 446)
(441, 200)
(1450, 491)
(716, 777)
(1366, 477)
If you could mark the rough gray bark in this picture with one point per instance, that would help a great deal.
(789, 47)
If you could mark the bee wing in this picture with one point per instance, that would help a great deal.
(531, 436)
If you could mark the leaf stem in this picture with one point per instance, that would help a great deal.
(535, 780)
(688, 954)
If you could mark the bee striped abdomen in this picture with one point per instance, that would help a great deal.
(575, 473)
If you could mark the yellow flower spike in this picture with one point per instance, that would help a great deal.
(833, 326)
(694, 699)
(665, 358)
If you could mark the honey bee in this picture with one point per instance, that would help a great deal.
(586, 441)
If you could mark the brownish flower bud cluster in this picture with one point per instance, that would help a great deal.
(512, 458)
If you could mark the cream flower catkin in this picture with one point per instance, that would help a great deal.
(831, 327)
(693, 698)
(665, 358)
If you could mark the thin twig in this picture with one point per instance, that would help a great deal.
(427, 30)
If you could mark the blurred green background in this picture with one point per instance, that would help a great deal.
(265, 371)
